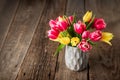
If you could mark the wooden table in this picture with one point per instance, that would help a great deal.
(26, 52)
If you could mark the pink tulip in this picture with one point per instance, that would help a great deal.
(96, 35)
(99, 24)
(52, 23)
(62, 25)
(79, 27)
(71, 18)
(85, 34)
(84, 46)
(53, 34)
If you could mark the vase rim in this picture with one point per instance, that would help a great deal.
(75, 48)
(72, 46)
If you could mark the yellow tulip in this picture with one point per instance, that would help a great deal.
(61, 18)
(64, 40)
(75, 41)
(106, 37)
(87, 16)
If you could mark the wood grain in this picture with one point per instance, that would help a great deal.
(104, 59)
(63, 73)
(39, 63)
(7, 13)
(19, 37)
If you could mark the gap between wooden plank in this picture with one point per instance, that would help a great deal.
(42, 11)
(39, 62)
(23, 74)
(6, 24)
(18, 39)
(104, 59)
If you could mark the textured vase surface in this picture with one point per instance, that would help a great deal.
(75, 59)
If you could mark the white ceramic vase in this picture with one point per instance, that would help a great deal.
(75, 59)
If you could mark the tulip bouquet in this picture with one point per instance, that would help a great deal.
(82, 34)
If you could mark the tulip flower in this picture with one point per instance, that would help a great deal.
(64, 40)
(84, 46)
(99, 24)
(96, 35)
(71, 18)
(106, 37)
(87, 16)
(60, 18)
(85, 34)
(75, 41)
(62, 25)
(52, 23)
(79, 27)
(53, 34)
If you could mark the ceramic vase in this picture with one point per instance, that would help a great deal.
(75, 59)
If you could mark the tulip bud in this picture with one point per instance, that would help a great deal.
(75, 41)
(84, 46)
(99, 24)
(53, 34)
(79, 27)
(64, 40)
(71, 18)
(85, 34)
(87, 16)
(52, 23)
(62, 25)
(106, 37)
(60, 18)
(96, 35)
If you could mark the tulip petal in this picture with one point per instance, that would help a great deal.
(64, 40)
(106, 37)
(75, 41)
(52, 23)
(87, 16)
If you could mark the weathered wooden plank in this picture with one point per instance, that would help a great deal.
(7, 11)
(63, 73)
(104, 59)
(40, 64)
(19, 37)
(76, 7)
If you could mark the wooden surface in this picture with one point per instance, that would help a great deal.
(26, 52)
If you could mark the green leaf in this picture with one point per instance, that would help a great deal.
(86, 23)
(74, 21)
(71, 31)
(92, 43)
(79, 36)
(60, 47)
